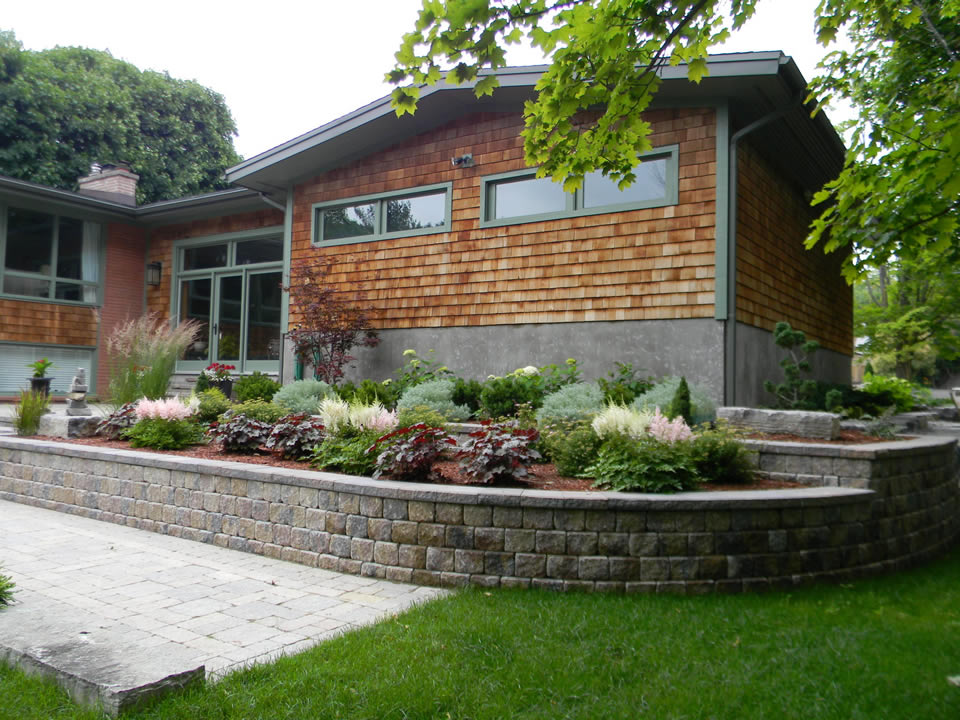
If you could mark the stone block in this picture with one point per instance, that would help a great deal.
(645, 544)
(568, 520)
(617, 543)
(498, 563)
(566, 567)
(386, 553)
(404, 531)
(507, 517)
(458, 536)
(468, 561)
(380, 529)
(336, 523)
(538, 518)
(441, 559)
(430, 535)
(580, 543)
(594, 568)
(477, 515)
(624, 568)
(449, 513)
(371, 507)
(792, 422)
(362, 549)
(394, 509)
(340, 545)
(517, 540)
(348, 503)
(356, 526)
(399, 574)
(412, 556)
(551, 542)
(488, 538)
(600, 521)
(420, 511)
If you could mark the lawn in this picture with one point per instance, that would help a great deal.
(876, 649)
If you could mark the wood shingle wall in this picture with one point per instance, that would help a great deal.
(655, 263)
(777, 277)
(47, 323)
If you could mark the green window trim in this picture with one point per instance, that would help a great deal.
(94, 264)
(379, 220)
(575, 204)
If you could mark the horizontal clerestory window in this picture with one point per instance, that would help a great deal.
(403, 213)
(521, 196)
(49, 257)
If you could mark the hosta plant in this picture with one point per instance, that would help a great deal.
(498, 451)
(409, 453)
(240, 433)
(295, 436)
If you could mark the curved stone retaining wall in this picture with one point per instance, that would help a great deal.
(889, 506)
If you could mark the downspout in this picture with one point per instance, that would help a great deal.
(730, 366)
(272, 203)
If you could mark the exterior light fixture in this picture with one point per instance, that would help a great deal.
(154, 271)
(462, 161)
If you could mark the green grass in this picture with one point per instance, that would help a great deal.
(874, 650)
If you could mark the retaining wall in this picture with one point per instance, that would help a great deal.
(891, 506)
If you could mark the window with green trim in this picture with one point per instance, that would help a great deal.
(418, 211)
(49, 257)
(521, 196)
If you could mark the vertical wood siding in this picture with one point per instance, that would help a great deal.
(642, 264)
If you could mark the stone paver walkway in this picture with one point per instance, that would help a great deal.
(219, 607)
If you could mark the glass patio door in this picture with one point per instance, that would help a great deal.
(228, 328)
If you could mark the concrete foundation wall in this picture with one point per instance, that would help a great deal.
(758, 359)
(693, 348)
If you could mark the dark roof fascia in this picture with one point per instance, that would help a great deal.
(36, 194)
(264, 171)
(221, 202)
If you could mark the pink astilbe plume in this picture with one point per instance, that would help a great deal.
(168, 409)
(667, 431)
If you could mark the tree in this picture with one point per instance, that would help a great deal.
(330, 323)
(898, 192)
(62, 110)
(909, 313)
(604, 53)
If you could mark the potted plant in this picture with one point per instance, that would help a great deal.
(219, 377)
(40, 383)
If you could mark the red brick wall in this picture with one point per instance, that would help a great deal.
(640, 264)
(122, 289)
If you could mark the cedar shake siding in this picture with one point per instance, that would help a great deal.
(777, 277)
(44, 323)
(648, 264)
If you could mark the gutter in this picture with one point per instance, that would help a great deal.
(272, 203)
(730, 323)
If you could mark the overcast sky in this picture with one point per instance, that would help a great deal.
(288, 66)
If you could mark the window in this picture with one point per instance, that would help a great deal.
(396, 214)
(49, 257)
(520, 197)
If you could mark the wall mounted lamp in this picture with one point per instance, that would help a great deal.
(462, 161)
(154, 270)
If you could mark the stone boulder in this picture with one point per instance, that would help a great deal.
(821, 425)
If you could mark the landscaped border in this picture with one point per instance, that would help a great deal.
(897, 504)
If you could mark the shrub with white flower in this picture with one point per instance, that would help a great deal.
(669, 431)
(621, 420)
(335, 415)
(165, 409)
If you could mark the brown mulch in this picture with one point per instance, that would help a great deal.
(448, 472)
(847, 437)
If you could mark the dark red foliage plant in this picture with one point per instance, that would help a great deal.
(295, 436)
(409, 453)
(498, 451)
(332, 320)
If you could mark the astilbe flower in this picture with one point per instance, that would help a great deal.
(373, 417)
(167, 409)
(669, 431)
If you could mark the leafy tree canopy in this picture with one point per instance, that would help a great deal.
(899, 191)
(62, 110)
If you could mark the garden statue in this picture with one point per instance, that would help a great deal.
(77, 395)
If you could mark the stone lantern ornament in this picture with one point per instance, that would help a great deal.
(77, 396)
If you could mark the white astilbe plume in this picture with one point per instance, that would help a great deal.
(335, 414)
(168, 409)
(372, 417)
(621, 420)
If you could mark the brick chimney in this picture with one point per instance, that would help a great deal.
(116, 183)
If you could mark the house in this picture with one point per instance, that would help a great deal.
(458, 248)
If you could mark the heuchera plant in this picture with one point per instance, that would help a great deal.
(498, 451)
(116, 422)
(409, 453)
(295, 436)
(240, 434)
